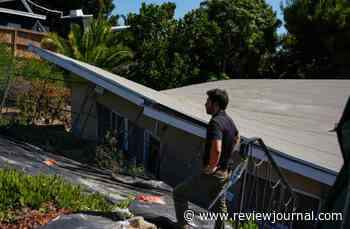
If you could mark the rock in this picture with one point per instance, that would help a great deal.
(122, 213)
(140, 223)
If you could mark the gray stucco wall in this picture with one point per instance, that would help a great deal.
(179, 150)
(181, 153)
(89, 118)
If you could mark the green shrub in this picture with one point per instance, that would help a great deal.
(6, 64)
(44, 101)
(107, 155)
(18, 190)
(125, 203)
(32, 69)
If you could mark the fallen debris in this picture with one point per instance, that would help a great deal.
(150, 199)
(50, 162)
(30, 219)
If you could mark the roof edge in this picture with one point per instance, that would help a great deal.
(86, 74)
(22, 13)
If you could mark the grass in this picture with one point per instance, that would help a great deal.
(18, 191)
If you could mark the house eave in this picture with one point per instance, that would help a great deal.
(22, 13)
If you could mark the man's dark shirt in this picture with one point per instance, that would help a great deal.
(221, 127)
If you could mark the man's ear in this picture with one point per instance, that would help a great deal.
(216, 106)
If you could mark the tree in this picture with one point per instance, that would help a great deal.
(156, 62)
(96, 7)
(197, 38)
(97, 45)
(247, 38)
(318, 39)
(220, 39)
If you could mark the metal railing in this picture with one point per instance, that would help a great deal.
(242, 172)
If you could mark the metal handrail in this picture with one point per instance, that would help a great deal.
(271, 159)
(242, 167)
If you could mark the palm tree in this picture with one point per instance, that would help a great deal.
(97, 45)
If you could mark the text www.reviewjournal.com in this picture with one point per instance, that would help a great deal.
(272, 217)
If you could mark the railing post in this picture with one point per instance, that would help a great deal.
(14, 42)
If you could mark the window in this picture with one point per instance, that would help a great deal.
(138, 142)
(152, 153)
(14, 25)
(119, 126)
(112, 121)
(103, 121)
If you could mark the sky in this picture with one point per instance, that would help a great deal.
(182, 7)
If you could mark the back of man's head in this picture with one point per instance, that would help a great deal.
(218, 96)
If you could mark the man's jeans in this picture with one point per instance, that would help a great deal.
(203, 185)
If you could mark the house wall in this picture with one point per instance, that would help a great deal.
(179, 150)
(127, 109)
(180, 154)
(19, 39)
(113, 102)
(84, 114)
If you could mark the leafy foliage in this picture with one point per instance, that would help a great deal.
(36, 99)
(318, 40)
(247, 37)
(123, 204)
(155, 64)
(98, 45)
(220, 40)
(43, 102)
(33, 69)
(18, 190)
(6, 67)
(108, 155)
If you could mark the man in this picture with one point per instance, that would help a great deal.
(222, 136)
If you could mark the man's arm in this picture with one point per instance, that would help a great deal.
(215, 153)
(215, 138)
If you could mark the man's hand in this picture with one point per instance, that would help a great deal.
(209, 170)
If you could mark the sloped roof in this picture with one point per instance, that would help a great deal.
(291, 116)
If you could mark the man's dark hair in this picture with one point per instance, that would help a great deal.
(218, 96)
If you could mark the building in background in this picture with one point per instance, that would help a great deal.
(26, 14)
(19, 14)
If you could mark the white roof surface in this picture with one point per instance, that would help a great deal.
(291, 116)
